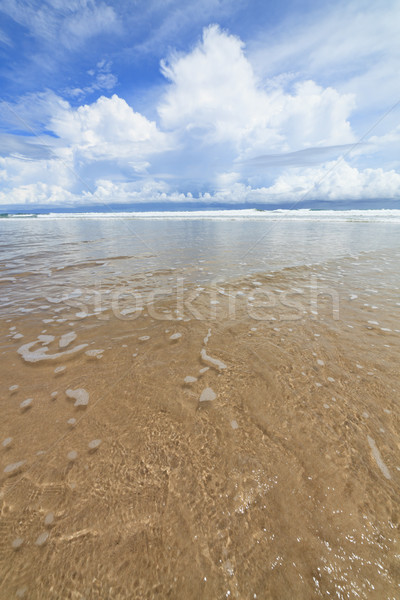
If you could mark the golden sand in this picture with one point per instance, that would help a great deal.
(254, 455)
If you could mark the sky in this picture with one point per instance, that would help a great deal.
(211, 102)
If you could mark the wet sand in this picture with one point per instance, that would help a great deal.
(256, 454)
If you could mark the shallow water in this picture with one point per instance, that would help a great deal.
(66, 254)
(255, 455)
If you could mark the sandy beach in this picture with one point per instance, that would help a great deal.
(235, 439)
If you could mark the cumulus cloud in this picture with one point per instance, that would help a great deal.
(335, 181)
(107, 137)
(37, 194)
(215, 95)
(329, 182)
(107, 129)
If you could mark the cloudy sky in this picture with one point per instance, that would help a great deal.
(229, 101)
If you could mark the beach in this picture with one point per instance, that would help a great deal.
(186, 416)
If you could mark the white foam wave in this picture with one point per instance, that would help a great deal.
(303, 214)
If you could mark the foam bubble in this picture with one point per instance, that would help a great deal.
(17, 543)
(72, 455)
(46, 339)
(54, 300)
(190, 379)
(26, 403)
(129, 311)
(378, 458)
(94, 444)
(80, 396)
(14, 467)
(234, 424)
(67, 339)
(49, 518)
(59, 370)
(41, 353)
(213, 361)
(81, 315)
(144, 338)
(175, 336)
(207, 395)
(7, 442)
(42, 538)
(94, 353)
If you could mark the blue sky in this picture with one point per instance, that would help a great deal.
(221, 101)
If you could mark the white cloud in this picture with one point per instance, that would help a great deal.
(35, 194)
(103, 79)
(391, 137)
(69, 24)
(332, 182)
(215, 95)
(335, 181)
(108, 129)
(109, 192)
(107, 137)
(23, 146)
(18, 171)
(89, 20)
(354, 45)
(170, 19)
(30, 112)
(4, 38)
